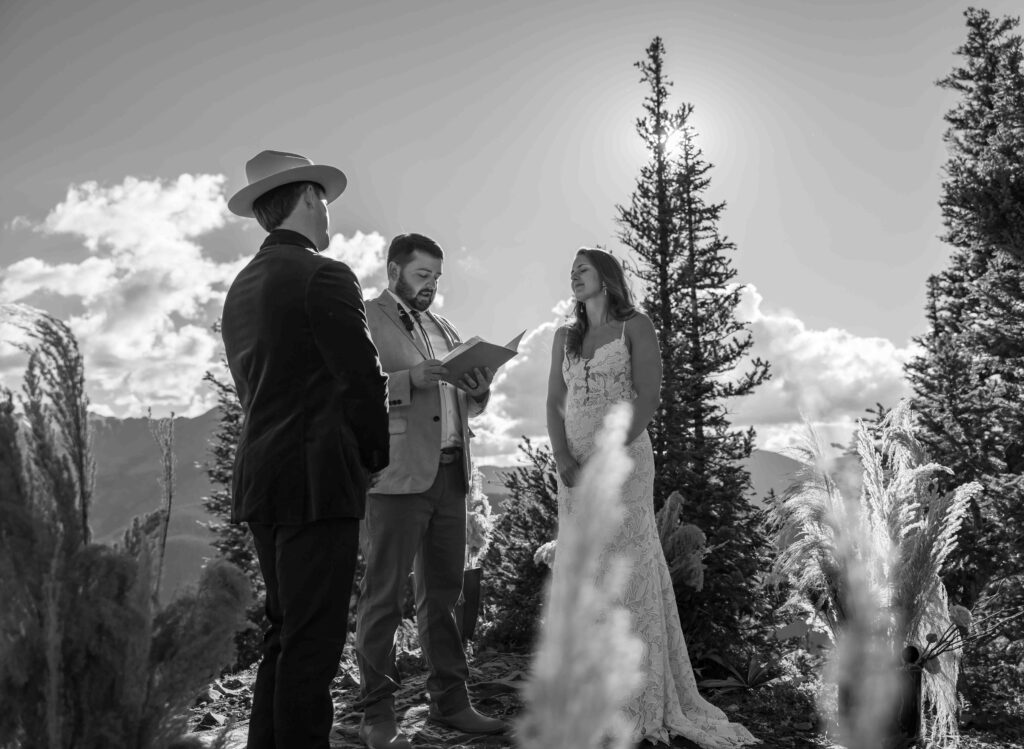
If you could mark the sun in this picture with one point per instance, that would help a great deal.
(708, 132)
(674, 140)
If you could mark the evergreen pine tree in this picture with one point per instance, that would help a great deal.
(649, 227)
(967, 380)
(983, 194)
(513, 582)
(683, 262)
(234, 541)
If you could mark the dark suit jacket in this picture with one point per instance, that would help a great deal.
(310, 383)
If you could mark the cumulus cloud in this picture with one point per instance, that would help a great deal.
(518, 402)
(145, 293)
(12, 335)
(828, 376)
(363, 253)
(366, 255)
(148, 292)
(88, 279)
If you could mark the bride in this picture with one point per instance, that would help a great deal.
(608, 354)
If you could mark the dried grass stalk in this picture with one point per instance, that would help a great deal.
(871, 565)
(587, 662)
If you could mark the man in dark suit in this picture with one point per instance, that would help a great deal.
(315, 427)
(416, 513)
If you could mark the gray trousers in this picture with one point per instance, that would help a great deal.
(427, 531)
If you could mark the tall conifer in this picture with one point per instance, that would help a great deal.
(234, 542)
(684, 264)
(967, 380)
(514, 582)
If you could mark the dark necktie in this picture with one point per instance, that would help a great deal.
(426, 339)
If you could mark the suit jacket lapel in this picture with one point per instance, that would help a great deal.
(389, 306)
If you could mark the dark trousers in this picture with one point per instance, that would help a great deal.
(308, 570)
(428, 530)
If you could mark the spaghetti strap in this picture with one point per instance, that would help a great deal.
(623, 336)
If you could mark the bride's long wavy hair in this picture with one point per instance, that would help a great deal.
(620, 300)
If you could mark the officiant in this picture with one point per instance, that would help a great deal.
(416, 510)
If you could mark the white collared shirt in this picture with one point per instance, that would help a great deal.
(451, 423)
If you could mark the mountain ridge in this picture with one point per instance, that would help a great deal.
(128, 470)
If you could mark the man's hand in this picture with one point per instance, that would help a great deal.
(568, 469)
(427, 373)
(477, 382)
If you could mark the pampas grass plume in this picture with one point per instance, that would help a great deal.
(587, 663)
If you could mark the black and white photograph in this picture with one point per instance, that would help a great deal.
(582, 374)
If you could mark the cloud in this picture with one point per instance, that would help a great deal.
(366, 255)
(17, 223)
(518, 402)
(88, 279)
(830, 376)
(147, 290)
(145, 294)
(781, 438)
(363, 253)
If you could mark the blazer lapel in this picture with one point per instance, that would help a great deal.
(389, 306)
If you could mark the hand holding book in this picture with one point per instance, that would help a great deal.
(477, 383)
(477, 353)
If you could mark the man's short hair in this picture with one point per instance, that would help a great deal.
(401, 248)
(274, 206)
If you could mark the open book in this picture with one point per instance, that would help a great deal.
(477, 352)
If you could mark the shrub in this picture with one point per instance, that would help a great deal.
(87, 657)
(513, 587)
(233, 541)
(871, 566)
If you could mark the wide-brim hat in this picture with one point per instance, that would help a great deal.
(269, 169)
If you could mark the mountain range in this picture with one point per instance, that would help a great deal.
(128, 485)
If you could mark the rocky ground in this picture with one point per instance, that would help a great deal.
(494, 682)
(779, 714)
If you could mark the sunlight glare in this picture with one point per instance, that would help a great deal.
(673, 143)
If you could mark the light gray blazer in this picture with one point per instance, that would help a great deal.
(414, 414)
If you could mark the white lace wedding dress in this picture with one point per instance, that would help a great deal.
(668, 703)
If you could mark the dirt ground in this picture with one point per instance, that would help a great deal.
(780, 717)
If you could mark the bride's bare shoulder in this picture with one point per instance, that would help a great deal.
(638, 320)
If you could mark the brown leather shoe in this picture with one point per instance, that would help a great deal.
(469, 720)
(383, 735)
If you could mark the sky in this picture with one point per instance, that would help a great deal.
(503, 130)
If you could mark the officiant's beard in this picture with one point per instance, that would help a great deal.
(420, 301)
